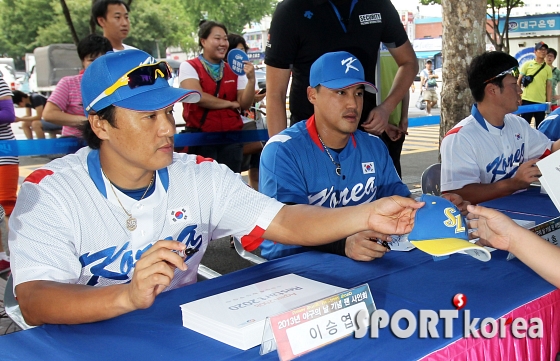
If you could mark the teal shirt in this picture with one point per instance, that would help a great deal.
(555, 81)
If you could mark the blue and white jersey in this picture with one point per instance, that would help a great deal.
(550, 126)
(69, 227)
(475, 151)
(296, 169)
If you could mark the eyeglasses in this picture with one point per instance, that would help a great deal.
(145, 74)
(514, 72)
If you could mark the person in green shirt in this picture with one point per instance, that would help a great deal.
(539, 90)
(550, 57)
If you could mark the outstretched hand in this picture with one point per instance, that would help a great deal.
(393, 215)
(492, 227)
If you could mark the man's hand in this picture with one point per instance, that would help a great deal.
(377, 120)
(363, 246)
(393, 215)
(526, 174)
(458, 201)
(492, 227)
(394, 133)
(154, 272)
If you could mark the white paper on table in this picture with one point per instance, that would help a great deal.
(401, 243)
(550, 170)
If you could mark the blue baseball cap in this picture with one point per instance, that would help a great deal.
(110, 68)
(441, 230)
(339, 70)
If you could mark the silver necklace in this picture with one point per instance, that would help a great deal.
(338, 170)
(131, 222)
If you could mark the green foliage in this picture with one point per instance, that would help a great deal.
(232, 13)
(27, 24)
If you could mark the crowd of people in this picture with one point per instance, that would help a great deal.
(328, 182)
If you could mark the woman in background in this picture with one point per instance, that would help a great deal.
(224, 94)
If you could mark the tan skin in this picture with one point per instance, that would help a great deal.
(55, 115)
(115, 24)
(337, 114)
(31, 123)
(141, 143)
(277, 84)
(214, 50)
(499, 231)
(496, 104)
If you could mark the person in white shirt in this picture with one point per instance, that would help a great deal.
(492, 152)
(102, 232)
(112, 17)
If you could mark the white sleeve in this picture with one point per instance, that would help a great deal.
(40, 251)
(458, 163)
(538, 143)
(237, 209)
(242, 82)
(186, 71)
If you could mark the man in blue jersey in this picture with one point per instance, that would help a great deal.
(326, 161)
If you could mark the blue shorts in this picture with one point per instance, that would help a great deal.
(50, 127)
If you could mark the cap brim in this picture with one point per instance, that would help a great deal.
(447, 246)
(347, 83)
(157, 99)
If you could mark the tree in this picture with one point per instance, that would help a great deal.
(27, 24)
(232, 13)
(464, 25)
(500, 23)
(498, 12)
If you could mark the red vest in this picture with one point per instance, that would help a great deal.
(217, 120)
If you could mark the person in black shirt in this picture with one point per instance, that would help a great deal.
(32, 123)
(303, 30)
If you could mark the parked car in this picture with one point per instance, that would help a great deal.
(9, 75)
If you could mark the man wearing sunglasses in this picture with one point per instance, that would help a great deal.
(102, 232)
(536, 78)
(492, 153)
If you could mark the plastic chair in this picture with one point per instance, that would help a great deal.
(205, 273)
(11, 305)
(247, 255)
(431, 180)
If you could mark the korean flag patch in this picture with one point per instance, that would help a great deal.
(180, 215)
(368, 168)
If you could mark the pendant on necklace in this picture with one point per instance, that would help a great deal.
(131, 223)
(338, 170)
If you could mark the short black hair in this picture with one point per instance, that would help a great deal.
(18, 96)
(484, 67)
(93, 44)
(235, 40)
(552, 51)
(91, 139)
(99, 8)
(205, 28)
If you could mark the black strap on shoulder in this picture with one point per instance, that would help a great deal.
(205, 114)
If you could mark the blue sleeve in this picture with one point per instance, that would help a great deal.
(551, 125)
(280, 176)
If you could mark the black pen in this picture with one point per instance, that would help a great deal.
(186, 252)
(383, 243)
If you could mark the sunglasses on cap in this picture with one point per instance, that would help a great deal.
(145, 74)
(514, 72)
